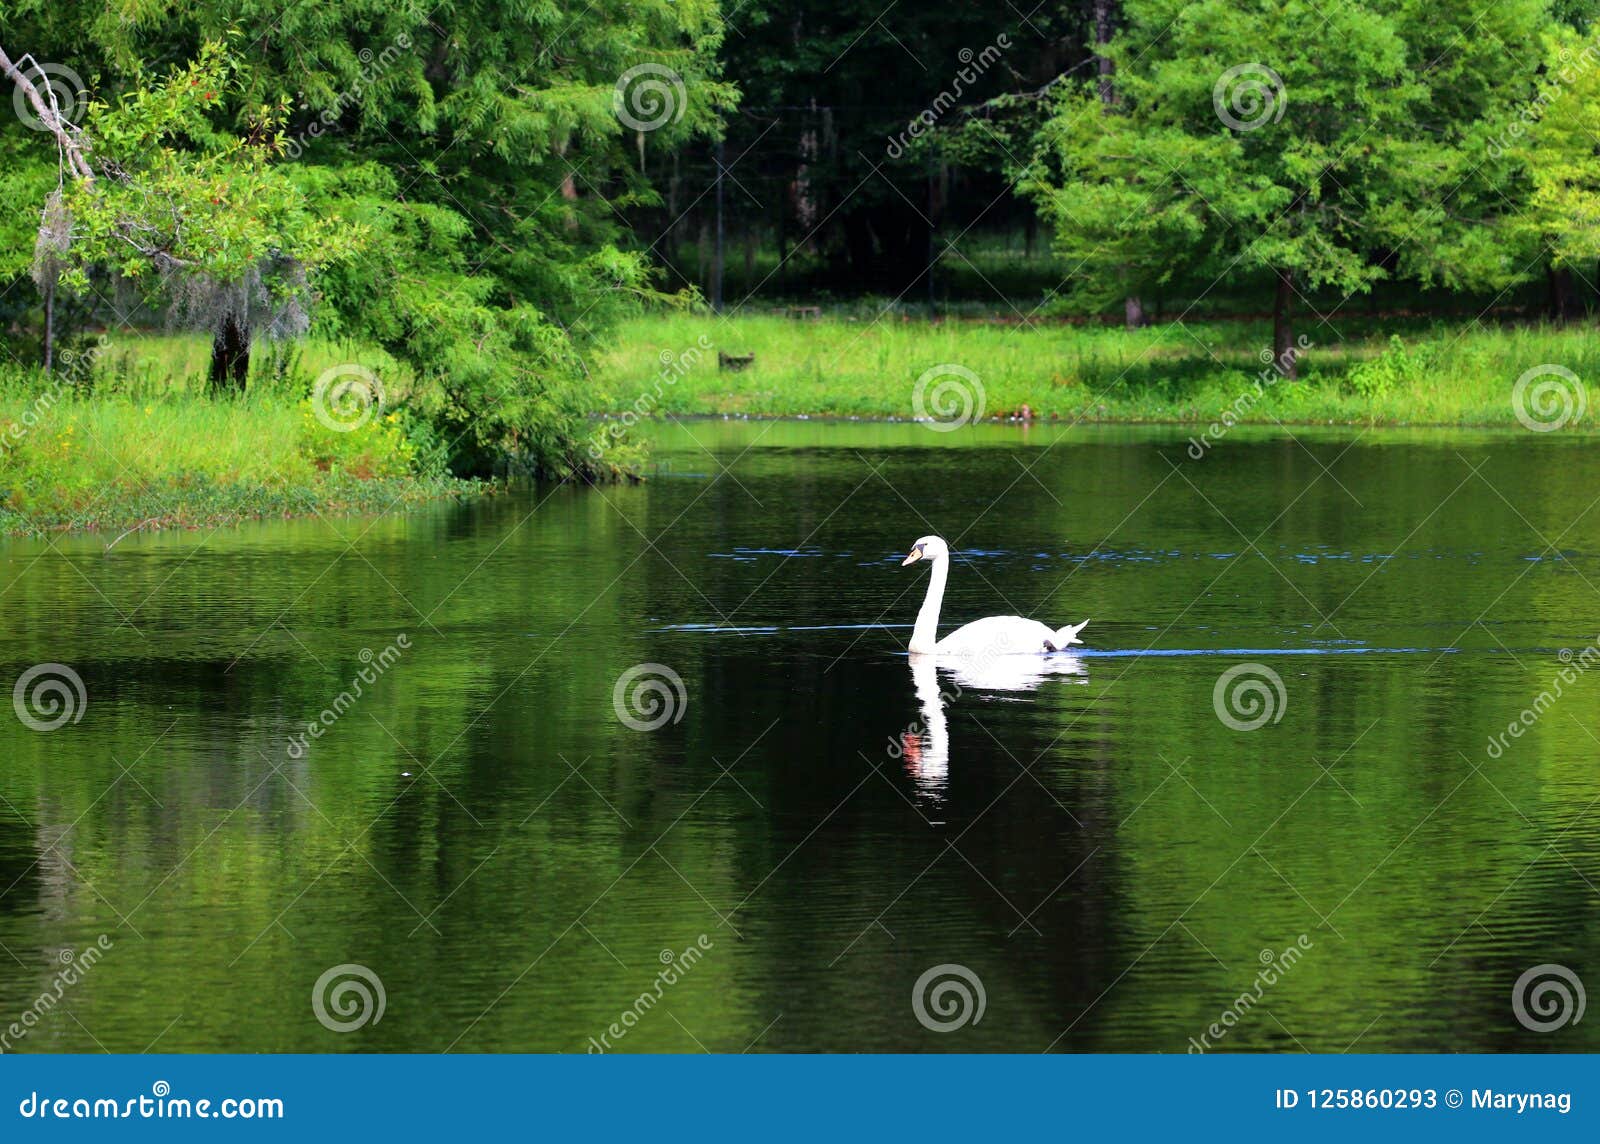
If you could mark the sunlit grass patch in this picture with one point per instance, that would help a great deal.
(1358, 372)
(138, 442)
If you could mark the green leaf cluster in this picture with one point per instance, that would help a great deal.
(1341, 144)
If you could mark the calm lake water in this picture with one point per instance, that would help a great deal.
(817, 825)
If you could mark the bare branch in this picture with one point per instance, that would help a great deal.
(49, 116)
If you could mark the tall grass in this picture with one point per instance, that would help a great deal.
(857, 364)
(136, 440)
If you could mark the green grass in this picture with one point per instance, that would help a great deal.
(854, 366)
(137, 443)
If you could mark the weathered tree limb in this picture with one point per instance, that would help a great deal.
(45, 109)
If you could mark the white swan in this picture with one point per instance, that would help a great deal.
(992, 635)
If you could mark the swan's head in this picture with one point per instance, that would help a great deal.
(928, 548)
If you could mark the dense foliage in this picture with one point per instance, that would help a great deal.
(472, 189)
(441, 180)
(1319, 146)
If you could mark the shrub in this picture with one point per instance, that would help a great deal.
(1397, 367)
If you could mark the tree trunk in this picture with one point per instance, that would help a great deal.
(669, 236)
(230, 356)
(1283, 351)
(716, 271)
(569, 187)
(1102, 37)
(858, 245)
(783, 244)
(49, 326)
(1132, 307)
(1560, 279)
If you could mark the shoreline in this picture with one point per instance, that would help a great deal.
(145, 455)
(223, 506)
(230, 505)
(1053, 422)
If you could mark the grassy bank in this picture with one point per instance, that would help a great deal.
(133, 441)
(1361, 373)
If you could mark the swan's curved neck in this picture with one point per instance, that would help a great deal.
(926, 634)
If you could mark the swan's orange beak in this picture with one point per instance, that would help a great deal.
(912, 557)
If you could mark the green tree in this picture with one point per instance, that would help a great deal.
(470, 154)
(195, 217)
(1554, 136)
(1320, 146)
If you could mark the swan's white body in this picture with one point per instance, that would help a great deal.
(992, 635)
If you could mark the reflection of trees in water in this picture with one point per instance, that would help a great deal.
(1152, 850)
(836, 974)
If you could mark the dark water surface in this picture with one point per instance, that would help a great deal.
(814, 827)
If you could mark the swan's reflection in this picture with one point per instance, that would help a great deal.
(927, 751)
(1009, 672)
(926, 748)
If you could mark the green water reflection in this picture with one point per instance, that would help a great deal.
(1101, 851)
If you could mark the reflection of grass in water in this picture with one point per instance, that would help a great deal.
(144, 444)
(1438, 374)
